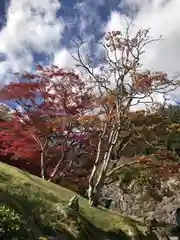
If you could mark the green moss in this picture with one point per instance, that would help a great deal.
(41, 205)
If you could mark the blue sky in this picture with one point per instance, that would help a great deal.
(41, 31)
(83, 18)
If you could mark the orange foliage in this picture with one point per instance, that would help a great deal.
(108, 98)
(87, 117)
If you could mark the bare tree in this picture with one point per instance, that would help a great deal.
(120, 83)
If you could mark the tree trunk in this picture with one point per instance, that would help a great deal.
(91, 194)
(55, 171)
(43, 145)
(42, 165)
(56, 168)
(95, 197)
(95, 188)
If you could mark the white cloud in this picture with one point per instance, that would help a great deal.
(63, 59)
(162, 16)
(31, 26)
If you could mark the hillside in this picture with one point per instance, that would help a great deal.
(39, 207)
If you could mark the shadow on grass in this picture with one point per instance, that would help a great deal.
(89, 231)
(5, 178)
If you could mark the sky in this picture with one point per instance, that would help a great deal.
(41, 31)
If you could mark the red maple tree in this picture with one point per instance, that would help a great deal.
(47, 106)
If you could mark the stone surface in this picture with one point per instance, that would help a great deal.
(138, 204)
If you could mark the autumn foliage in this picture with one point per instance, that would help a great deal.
(78, 127)
(47, 108)
(122, 84)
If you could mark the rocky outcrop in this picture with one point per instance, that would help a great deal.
(139, 204)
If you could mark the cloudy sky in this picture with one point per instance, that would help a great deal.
(41, 31)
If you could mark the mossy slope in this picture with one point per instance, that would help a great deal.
(42, 208)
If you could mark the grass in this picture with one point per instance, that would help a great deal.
(42, 206)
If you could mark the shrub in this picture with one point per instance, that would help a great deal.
(11, 224)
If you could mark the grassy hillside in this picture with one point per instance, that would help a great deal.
(31, 207)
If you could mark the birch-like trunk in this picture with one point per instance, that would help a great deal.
(56, 168)
(95, 186)
(43, 167)
(43, 146)
(95, 168)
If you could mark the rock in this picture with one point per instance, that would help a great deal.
(160, 214)
(170, 206)
(131, 203)
(149, 215)
(167, 200)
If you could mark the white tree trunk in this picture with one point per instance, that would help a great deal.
(42, 166)
(95, 168)
(95, 185)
